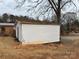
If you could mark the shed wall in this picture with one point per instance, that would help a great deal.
(38, 34)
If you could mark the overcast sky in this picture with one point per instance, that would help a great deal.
(8, 6)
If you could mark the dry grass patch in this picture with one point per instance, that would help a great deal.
(9, 49)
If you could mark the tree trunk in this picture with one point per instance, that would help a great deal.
(58, 18)
(58, 13)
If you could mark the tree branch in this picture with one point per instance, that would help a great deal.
(52, 6)
(69, 2)
(32, 7)
(33, 1)
(74, 5)
(46, 10)
(20, 3)
(65, 4)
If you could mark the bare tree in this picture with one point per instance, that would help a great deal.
(46, 6)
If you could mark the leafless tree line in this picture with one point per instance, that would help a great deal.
(42, 7)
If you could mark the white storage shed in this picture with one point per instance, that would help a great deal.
(37, 34)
